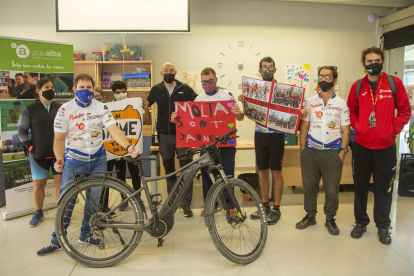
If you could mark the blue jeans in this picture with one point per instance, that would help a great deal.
(92, 197)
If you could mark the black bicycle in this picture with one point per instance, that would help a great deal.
(117, 233)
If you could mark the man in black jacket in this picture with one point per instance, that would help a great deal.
(165, 94)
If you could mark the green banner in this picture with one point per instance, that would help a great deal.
(42, 57)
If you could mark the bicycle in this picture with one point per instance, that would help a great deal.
(227, 216)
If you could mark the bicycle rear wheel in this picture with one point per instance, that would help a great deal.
(240, 240)
(106, 246)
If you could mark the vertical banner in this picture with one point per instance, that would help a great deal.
(27, 61)
(274, 105)
(199, 123)
(128, 116)
(16, 167)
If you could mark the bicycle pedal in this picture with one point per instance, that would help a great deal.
(160, 241)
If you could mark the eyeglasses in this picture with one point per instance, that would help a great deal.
(97, 97)
(207, 81)
(327, 77)
(268, 68)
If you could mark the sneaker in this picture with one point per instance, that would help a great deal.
(233, 212)
(332, 227)
(256, 215)
(48, 249)
(273, 217)
(187, 211)
(305, 222)
(358, 230)
(215, 211)
(123, 206)
(384, 236)
(36, 219)
(90, 240)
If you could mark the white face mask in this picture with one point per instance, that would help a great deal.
(120, 96)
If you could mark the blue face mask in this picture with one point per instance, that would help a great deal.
(85, 96)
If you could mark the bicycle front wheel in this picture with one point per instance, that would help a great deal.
(78, 216)
(237, 237)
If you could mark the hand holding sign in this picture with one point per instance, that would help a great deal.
(198, 123)
(133, 151)
(303, 113)
(174, 115)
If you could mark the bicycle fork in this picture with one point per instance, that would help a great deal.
(228, 188)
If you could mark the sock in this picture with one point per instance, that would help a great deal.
(266, 204)
(276, 207)
(39, 211)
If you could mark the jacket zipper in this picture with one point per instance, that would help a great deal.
(169, 106)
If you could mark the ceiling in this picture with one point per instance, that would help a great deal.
(372, 3)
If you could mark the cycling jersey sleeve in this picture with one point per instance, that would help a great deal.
(24, 126)
(61, 123)
(107, 118)
(345, 119)
(307, 107)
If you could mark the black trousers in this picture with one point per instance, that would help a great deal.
(121, 167)
(381, 164)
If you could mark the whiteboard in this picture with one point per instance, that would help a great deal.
(122, 16)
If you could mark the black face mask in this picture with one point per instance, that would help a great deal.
(325, 86)
(374, 68)
(48, 94)
(169, 78)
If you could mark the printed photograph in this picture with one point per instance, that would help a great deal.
(282, 121)
(286, 95)
(17, 173)
(256, 89)
(255, 112)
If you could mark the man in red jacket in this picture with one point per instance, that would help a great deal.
(374, 151)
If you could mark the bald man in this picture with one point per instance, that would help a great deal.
(165, 94)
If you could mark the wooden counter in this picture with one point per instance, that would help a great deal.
(292, 174)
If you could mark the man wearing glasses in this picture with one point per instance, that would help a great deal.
(324, 139)
(227, 155)
(165, 94)
(269, 148)
(374, 151)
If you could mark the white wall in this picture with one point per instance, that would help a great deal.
(288, 32)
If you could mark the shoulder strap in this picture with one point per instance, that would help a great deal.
(393, 87)
(358, 88)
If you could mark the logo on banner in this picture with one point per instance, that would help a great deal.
(22, 51)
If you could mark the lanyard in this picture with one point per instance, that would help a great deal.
(374, 101)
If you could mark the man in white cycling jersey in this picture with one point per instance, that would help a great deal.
(78, 147)
(324, 139)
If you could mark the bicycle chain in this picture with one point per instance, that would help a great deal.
(129, 244)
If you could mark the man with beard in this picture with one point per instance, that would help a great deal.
(372, 102)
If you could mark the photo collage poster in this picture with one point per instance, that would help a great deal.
(274, 105)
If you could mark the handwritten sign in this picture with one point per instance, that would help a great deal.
(127, 114)
(198, 123)
(274, 105)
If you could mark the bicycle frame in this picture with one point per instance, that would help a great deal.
(175, 196)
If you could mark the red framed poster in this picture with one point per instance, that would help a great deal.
(274, 105)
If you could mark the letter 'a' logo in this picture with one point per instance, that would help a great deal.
(22, 51)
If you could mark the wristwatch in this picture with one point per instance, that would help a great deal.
(344, 150)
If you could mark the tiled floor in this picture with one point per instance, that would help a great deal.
(188, 249)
